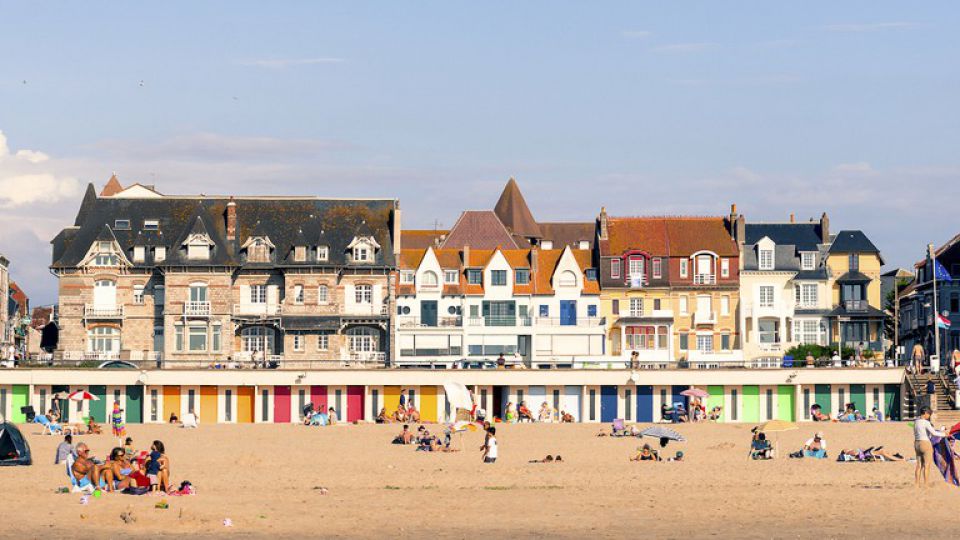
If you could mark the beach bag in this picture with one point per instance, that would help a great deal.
(136, 490)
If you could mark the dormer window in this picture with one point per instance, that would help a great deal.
(546, 244)
(363, 249)
(258, 250)
(451, 276)
(105, 255)
(361, 254)
(159, 253)
(122, 224)
(407, 277)
(139, 254)
(808, 260)
(323, 253)
(198, 247)
(765, 259)
(300, 253)
(522, 276)
(151, 225)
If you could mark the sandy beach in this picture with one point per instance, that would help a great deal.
(265, 478)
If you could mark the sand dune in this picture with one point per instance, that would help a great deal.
(263, 477)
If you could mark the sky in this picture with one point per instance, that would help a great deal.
(645, 108)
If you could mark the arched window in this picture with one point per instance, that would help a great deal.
(430, 279)
(567, 279)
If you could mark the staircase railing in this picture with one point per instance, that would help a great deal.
(911, 411)
(946, 389)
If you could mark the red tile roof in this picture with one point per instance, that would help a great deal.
(421, 239)
(479, 229)
(668, 236)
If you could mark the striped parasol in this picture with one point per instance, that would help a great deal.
(83, 395)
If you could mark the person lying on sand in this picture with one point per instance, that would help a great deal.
(870, 454)
(548, 459)
(646, 453)
(677, 457)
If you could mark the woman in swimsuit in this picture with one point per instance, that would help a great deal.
(121, 469)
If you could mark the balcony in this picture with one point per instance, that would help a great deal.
(499, 321)
(94, 312)
(196, 309)
(579, 321)
(705, 317)
(368, 357)
(704, 279)
(256, 310)
(408, 321)
(367, 309)
(856, 305)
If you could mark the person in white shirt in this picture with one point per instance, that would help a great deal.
(490, 449)
(922, 431)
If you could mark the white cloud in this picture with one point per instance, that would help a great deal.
(870, 27)
(24, 181)
(280, 63)
(684, 47)
(636, 34)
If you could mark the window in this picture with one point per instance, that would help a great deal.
(808, 294)
(684, 307)
(139, 253)
(323, 253)
(178, 337)
(636, 307)
(154, 405)
(766, 259)
(151, 225)
(258, 251)
(522, 276)
(766, 296)
(323, 342)
(615, 268)
(122, 224)
(592, 274)
(451, 276)
(546, 244)
(265, 406)
(769, 330)
(159, 254)
(474, 276)
(615, 307)
(806, 404)
(105, 255)
(593, 404)
(584, 244)
(808, 332)
(407, 277)
(430, 279)
(363, 294)
(646, 337)
(197, 339)
(361, 253)
(627, 398)
(298, 294)
(257, 338)
(300, 253)
(362, 339)
(323, 294)
(808, 260)
(636, 271)
(854, 262)
(725, 342)
(724, 305)
(498, 277)
(198, 250)
(592, 310)
(138, 294)
(104, 339)
(724, 267)
(656, 304)
(954, 303)
(705, 343)
(657, 270)
(258, 294)
(298, 342)
(198, 292)
(544, 310)
(683, 268)
(684, 342)
(567, 279)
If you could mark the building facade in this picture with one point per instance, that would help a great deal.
(917, 316)
(201, 280)
(857, 318)
(538, 308)
(6, 330)
(670, 289)
(785, 290)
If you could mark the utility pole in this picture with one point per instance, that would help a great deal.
(936, 312)
(896, 317)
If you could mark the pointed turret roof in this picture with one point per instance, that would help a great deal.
(112, 187)
(513, 212)
(86, 206)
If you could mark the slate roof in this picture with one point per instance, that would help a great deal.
(852, 242)
(479, 229)
(805, 236)
(286, 220)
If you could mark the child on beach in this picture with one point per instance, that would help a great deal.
(128, 450)
(158, 467)
(490, 449)
(116, 419)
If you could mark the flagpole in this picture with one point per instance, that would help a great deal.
(936, 311)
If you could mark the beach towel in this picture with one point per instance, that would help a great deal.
(943, 459)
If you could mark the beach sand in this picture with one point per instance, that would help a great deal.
(264, 478)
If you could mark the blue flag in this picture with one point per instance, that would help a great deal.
(941, 272)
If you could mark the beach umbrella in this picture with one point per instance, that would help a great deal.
(61, 395)
(695, 392)
(776, 426)
(458, 395)
(660, 432)
(83, 395)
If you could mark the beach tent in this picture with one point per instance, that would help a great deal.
(14, 449)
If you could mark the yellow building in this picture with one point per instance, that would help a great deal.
(856, 320)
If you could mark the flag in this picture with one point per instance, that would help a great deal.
(942, 322)
(940, 272)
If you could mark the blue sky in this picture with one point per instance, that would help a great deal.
(645, 108)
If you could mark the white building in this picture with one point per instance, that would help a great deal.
(538, 308)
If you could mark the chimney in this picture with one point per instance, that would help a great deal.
(231, 220)
(824, 229)
(604, 232)
(396, 229)
(793, 217)
(466, 256)
(733, 224)
(741, 229)
(534, 263)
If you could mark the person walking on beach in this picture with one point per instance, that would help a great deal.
(490, 449)
(922, 430)
(403, 399)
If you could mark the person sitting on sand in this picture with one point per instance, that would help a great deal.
(405, 436)
(120, 469)
(646, 453)
(332, 416)
(413, 415)
(382, 416)
(511, 414)
(544, 415)
(128, 451)
(815, 446)
(760, 447)
(875, 416)
(566, 417)
(524, 414)
(400, 415)
(666, 413)
(85, 471)
(158, 467)
(681, 414)
(93, 428)
(173, 418)
(816, 414)
(715, 413)
(677, 457)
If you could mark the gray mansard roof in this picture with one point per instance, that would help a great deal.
(287, 221)
(790, 239)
